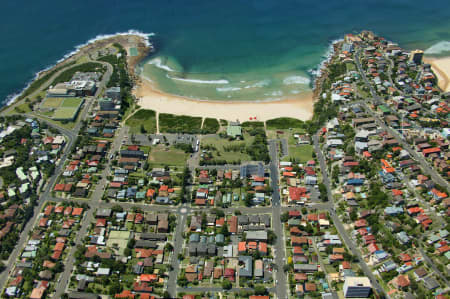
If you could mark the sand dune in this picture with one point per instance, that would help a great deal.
(300, 107)
(441, 67)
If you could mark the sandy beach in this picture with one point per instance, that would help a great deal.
(300, 107)
(441, 67)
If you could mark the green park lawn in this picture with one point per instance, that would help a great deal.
(230, 156)
(162, 155)
(301, 153)
(71, 102)
(52, 102)
(145, 119)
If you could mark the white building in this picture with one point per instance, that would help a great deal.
(357, 287)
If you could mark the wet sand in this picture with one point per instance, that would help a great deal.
(300, 107)
(441, 67)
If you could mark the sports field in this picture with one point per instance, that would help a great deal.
(71, 102)
(63, 108)
(52, 102)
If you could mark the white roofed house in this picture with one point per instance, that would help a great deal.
(334, 142)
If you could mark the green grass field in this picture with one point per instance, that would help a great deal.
(145, 118)
(68, 109)
(350, 67)
(71, 102)
(159, 156)
(301, 153)
(64, 113)
(52, 102)
(219, 144)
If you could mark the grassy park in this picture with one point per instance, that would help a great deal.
(162, 156)
(143, 121)
(300, 153)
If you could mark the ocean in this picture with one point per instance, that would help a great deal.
(220, 50)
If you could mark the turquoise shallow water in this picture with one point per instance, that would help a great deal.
(242, 42)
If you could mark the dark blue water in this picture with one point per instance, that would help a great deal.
(210, 36)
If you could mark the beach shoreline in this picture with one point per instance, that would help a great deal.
(441, 67)
(149, 97)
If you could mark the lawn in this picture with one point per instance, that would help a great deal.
(52, 102)
(22, 108)
(161, 156)
(230, 156)
(68, 109)
(64, 113)
(170, 123)
(71, 102)
(301, 153)
(142, 119)
(350, 67)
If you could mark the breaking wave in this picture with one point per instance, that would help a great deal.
(296, 80)
(221, 81)
(227, 89)
(159, 64)
(439, 48)
(259, 84)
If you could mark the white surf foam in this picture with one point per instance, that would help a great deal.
(438, 48)
(221, 81)
(228, 89)
(259, 84)
(158, 63)
(317, 72)
(146, 36)
(296, 80)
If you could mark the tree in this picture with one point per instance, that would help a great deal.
(271, 237)
(284, 217)
(260, 290)
(323, 192)
(335, 173)
(224, 229)
(168, 247)
(226, 284)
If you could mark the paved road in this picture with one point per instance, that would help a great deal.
(280, 257)
(433, 266)
(419, 158)
(337, 222)
(178, 247)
